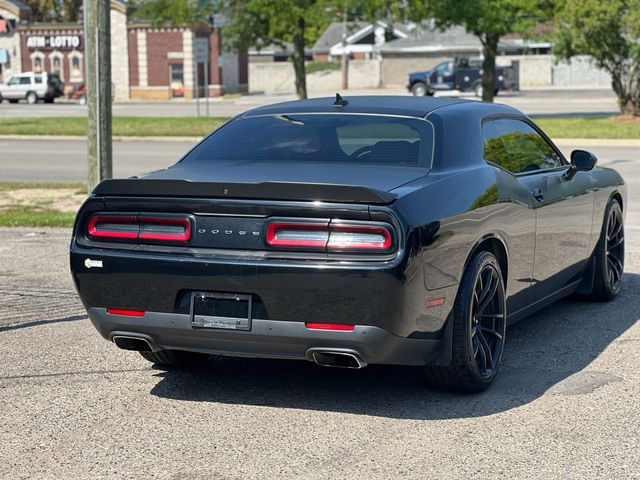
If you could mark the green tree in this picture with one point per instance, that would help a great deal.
(173, 12)
(56, 10)
(257, 23)
(609, 31)
(488, 20)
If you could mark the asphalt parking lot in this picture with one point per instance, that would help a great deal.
(74, 406)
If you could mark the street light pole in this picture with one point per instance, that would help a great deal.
(98, 78)
(345, 61)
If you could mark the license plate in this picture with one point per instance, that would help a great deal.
(226, 311)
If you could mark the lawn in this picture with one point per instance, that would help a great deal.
(590, 127)
(122, 126)
(556, 127)
(40, 204)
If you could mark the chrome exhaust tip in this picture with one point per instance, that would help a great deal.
(337, 359)
(136, 344)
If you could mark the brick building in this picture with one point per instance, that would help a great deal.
(147, 63)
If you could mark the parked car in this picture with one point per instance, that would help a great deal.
(32, 87)
(394, 230)
(79, 93)
(462, 74)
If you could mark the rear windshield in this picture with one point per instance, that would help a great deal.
(320, 138)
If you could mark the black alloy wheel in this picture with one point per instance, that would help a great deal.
(609, 255)
(488, 321)
(615, 249)
(479, 323)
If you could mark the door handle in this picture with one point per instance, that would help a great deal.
(537, 194)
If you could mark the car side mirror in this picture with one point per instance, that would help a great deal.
(581, 161)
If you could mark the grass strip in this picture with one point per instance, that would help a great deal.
(122, 126)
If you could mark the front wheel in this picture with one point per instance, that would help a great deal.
(419, 89)
(609, 255)
(176, 358)
(479, 327)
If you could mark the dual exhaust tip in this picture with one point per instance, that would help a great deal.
(323, 357)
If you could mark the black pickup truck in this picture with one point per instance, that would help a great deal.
(462, 74)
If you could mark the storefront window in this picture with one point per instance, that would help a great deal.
(56, 65)
(75, 69)
(176, 74)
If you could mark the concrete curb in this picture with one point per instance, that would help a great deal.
(585, 142)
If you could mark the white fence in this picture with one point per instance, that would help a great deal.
(279, 77)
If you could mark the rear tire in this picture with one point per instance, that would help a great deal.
(176, 358)
(609, 255)
(477, 89)
(479, 327)
(32, 98)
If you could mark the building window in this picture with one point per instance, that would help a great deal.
(176, 75)
(37, 62)
(75, 67)
(56, 59)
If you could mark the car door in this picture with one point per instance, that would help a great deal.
(23, 87)
(442, 77)
(13, 88)
(564, 208)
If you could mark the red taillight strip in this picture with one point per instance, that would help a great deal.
(95, 220)
(175, 237)
(121, 311)
(385, 244)
(330, 326)
(274, 241)
(329, 243)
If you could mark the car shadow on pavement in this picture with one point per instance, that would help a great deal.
(541, 352)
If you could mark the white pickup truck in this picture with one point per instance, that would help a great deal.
(32, 87)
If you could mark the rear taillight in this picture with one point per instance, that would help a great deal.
(142, 227)
(298, 234)
(330, 236)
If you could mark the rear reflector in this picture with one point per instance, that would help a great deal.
(329, 236)
(329, 326)
(130, 313)
(169, 229)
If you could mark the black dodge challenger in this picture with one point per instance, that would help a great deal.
(397, 230)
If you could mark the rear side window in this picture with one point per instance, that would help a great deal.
(321, 139)
(38, 78)
(25, 81)
(515, 146)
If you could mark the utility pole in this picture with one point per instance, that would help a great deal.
(97, 37)
(345, 60)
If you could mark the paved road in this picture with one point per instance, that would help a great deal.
(65, 160)
(534, 102)
(74, 406)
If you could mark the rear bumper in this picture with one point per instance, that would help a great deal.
(270, 339)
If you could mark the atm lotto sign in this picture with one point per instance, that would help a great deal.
(53, 41)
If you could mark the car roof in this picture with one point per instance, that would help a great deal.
(369, 104)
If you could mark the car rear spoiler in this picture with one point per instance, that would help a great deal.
(254, 191)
